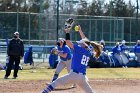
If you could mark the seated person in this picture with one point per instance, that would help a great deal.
(105, 58)
(137, 52)
(117, 54)
(124, 53)
(28, 56)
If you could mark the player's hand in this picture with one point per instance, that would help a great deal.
(79, 27)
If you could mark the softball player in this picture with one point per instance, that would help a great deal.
(123, 46)
(104, 55)
(117, 54)
(137, 51)
(65, 58)
(123, 53)
(81, 56)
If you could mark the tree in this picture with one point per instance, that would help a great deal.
(131, 9)
(114, 8)
(96, 8)
(120, 9)
(9, 20)
(82, 9)
(23, 5)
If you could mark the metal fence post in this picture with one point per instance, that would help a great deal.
(102, 29)
(29, 29)
(57, 26)
(130, 30)
(17, 16)
(137, 21)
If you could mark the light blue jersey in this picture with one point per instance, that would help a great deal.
(80, 59)
(65, 49)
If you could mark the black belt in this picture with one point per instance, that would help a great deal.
(78, 72)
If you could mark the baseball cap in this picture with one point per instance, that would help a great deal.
(102, 41)
(16, 33)
(61, 39)
(138, 41)
(86, 40)
(83, 41)
(123, 41)
(117, 43)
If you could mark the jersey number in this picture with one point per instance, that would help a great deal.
(84, 60)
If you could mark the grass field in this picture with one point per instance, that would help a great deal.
(102, 80)
(93, 73)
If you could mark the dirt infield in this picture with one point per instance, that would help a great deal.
(100, 86)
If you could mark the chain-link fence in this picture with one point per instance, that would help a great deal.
(40, 29)
(34, 26)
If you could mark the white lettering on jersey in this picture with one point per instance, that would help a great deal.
(84, 60)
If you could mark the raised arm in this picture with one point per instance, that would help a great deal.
(81, 32)
(68, 41)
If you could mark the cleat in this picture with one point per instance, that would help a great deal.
(6, 77)
(14, 77)
(73, 86)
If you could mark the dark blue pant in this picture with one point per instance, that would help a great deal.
(13, 59)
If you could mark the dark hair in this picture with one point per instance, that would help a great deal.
(102, 43)
(64, 43)
(88, 43)
(58, 43)
(15, 36)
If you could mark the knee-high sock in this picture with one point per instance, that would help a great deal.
(55, 77)
(48, 89)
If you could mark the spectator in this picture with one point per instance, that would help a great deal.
(137, 51)
(15, 51)
(28, 56)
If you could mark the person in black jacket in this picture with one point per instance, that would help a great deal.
(15, 51)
